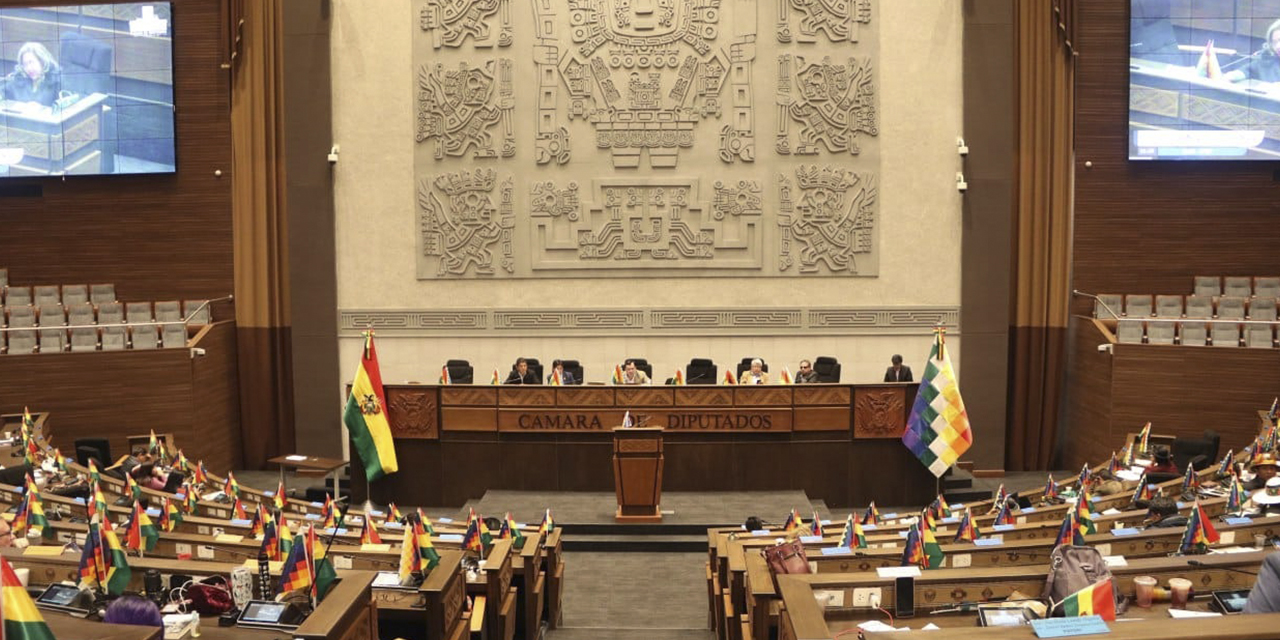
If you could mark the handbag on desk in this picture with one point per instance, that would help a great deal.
(787, 557)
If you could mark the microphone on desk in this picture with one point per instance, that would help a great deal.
(1197, 563)
(1251, 56)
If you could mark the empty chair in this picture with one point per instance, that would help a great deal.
(84, 339)
(53, 340)
(175, 335)
(1231, 308)
(22, 316)
(1262, 309)
(460, 371)
(1168, 306)
(701, 371)
(1137, 306)
(110, 313)
(1266, 287)
(17, 296)
(746, 365)
(23, 341)
(573, 367)
(1193, 333)
(114, 338)
(1160, 332)
(1199, 307)
(168, 311)
(4, 278)
(1208, 286)
(1241, 286)
(1129, 331)
(135, 312)
(48, 294)
(81, 314)
(1108, 305)
(1225, 334)
(74, 294)
(52, 315)
(196, 311)
(827, 368)
(97, 448)
(144, 337)
(1259, 336)
(100, 293)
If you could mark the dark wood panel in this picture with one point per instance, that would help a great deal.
(584, 466)
(215, 432)
(1086, 430)
(156, 237)
(1149, 227)
(872, 462)
(698, 466)
(525, 465)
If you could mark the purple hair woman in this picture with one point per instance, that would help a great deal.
(134, 610)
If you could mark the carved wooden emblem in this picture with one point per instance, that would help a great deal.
(879, 413)
(413, 413)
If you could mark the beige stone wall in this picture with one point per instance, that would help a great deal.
(918, 66)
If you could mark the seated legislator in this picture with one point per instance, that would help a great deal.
(755, 375)
(632, 375)
(6, 533)
(1265, 595)
(1265, 65)
(520, 374)
(557, 367)
(806, 375)
(36, 78)
(1162, 513)
(898, 372)
(1163, 462)
(1264, 469)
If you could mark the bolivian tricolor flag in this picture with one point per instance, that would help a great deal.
(678, 379)
(170, 515)
(1084, 514)
(872, 514)
(21, 619)
(548, 524)
(932, 550)
(1096, 599)
(366, 417)
(278, 497)
(369, 532)
(200, 477)
(1144, 439)
(728, 377)
(135, 491)
(98, 505)
(230, 486)
(853, 537)
(190, 501)
(785, 378)
(426, 522)
(445, 378)
(510, 531)
(816, 527)
(237, 510)
(140, 534)
(426, 551)
(393, 514)
(496, 379)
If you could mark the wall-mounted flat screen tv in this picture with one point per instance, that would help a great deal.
(1204, 80)
(86, 89)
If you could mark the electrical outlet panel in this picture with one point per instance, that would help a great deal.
(864, 597)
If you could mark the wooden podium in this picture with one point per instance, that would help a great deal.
(637, 473)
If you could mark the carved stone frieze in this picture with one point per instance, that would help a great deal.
(837, 20)
(467, 110)
(827, 222)
(828, 108)
(450, 22)
(463, 228)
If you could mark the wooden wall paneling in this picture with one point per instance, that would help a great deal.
(585, 464)
(526, 463)
(872, 461)
(820, 468)
(763, 465)
(1087, 428)
(478, 452)
(1149, 227)
(215, 407)
(419, 482)
(156, 237)
(693, 465)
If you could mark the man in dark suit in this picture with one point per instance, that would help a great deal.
(1265, 596)
(520, 374)
(898, 372)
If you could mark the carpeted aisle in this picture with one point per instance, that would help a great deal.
(634, 596)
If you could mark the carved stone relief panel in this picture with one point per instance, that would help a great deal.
(827, 222)
(465, 228)
(617, 138)
(648, 224)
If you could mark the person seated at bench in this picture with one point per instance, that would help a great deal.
(756, 374)
(1265, 595)
(806, 375)
(147, 472)
(1163, 462)
(1162, 513)
(1264, 469)
(1267, 499)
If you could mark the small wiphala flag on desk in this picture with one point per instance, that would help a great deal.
(366, 416)
(938, 430)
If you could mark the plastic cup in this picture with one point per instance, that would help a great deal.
(1145, 586)
(1180, 592)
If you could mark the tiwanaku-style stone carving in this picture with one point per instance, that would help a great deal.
(832, 105)
(450, 22)
(838, 20)
(645, 73)
(460, 234)
(467, 109)
(646, 223)
(828, 222)
(552, 142)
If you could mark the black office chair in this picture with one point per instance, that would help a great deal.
(87, 63)
(460, 371)
(827, 368)
(98, 448)
(701, 371)
(643, 365)
(745, 365)
(574, 367)
(534, 366)
(1199, 452)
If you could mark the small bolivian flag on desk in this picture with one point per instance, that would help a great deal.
(21, 619)
(366, 417)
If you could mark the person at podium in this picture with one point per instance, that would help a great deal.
(520, 374)
(36, 78)
(897, 372)
(633, 375)
(756, 374)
